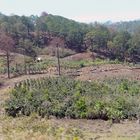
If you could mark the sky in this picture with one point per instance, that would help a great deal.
(79, 10)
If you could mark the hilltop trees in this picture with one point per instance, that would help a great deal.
(39, 31)
(134, 49)
(28, 48)
(97, 38)
(74, 40)
(119, 45)
(28, 24)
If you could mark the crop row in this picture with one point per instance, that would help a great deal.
(61, 97)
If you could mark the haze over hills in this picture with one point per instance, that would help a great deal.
(83, 11)
(130, 26)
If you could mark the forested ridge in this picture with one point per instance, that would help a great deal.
(116, 41)
(130, 26)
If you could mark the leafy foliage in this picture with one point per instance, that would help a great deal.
(63, 97)
(34, 32)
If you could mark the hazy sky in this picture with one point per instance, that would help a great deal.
(80, 10)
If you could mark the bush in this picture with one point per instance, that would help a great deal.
(63, 97)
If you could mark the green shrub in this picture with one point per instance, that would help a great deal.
(63, 97)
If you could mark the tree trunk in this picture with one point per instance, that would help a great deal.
(58, 59)
(8, 64)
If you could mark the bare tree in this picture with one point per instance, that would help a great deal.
(58, 58)
(7, 45)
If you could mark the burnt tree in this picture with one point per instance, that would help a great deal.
(7, 45)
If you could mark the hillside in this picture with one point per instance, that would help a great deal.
(31, 34)
(86, 85)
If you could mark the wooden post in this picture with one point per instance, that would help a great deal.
(8, 64)
(16, 68)
(29, 69)
(58, 59)
(25, 68)
(92, 53)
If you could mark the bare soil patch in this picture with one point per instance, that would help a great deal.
(109, 71)
(79, 56)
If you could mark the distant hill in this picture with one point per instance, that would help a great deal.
(130, 26)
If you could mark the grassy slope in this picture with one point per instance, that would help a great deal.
(42, 129)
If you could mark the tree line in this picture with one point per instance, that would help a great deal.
(33, 32)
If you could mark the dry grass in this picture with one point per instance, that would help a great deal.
(35, 128)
